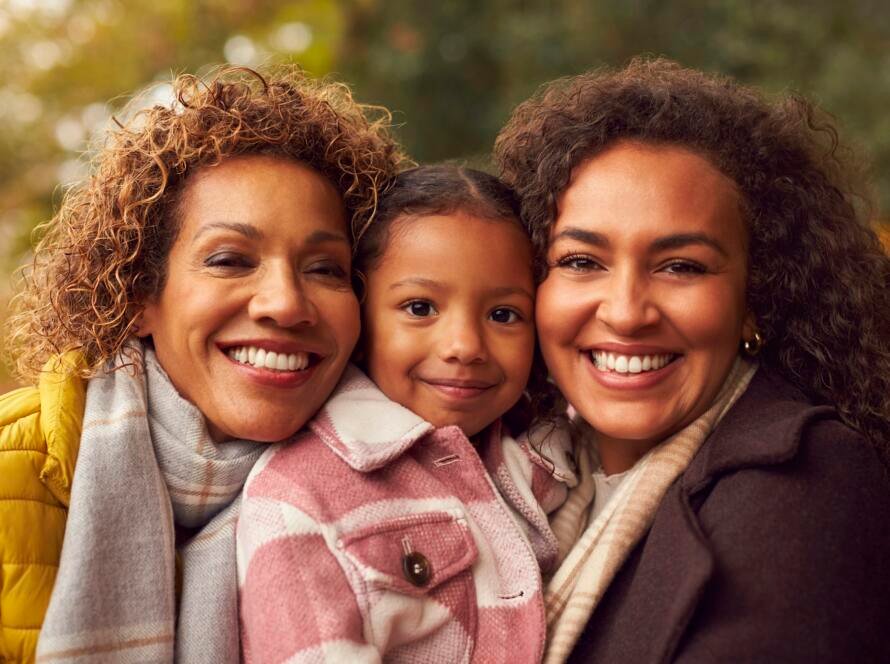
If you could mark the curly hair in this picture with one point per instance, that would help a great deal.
(104, 252)
(818, 277)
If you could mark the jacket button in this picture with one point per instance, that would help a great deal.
(416, 568)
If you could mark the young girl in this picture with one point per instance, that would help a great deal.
(406, 523)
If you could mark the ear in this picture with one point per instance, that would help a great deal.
(146, 320)
(749, 325)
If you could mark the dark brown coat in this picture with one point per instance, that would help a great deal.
(773, 546)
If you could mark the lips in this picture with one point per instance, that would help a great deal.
(459, 388)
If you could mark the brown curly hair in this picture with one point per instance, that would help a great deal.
(818, 277)
(104, 253)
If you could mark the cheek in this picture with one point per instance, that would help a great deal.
(712, 320)
(387, 349)
(340, 311)
(561, 312)
(524, 356)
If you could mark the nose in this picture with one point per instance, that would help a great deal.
(627, 305)
(462, 340)
(281, 298)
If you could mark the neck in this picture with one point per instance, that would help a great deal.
(618, 455)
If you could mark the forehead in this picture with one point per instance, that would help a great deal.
(458, 247)
(634, 188)
(261, 190)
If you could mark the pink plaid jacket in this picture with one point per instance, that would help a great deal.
(374, 536)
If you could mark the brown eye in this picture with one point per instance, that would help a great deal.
(685, 267)
(328, 269)
(504, 315)
(227, 259)
(419, 308)
(578, 263)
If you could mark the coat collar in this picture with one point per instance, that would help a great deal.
(363, 426)
(763, 428)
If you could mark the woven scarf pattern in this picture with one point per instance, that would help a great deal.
(147, 464)
(593, 554)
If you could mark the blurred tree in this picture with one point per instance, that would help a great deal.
(454, 70)
(451, 70)
(66, 58)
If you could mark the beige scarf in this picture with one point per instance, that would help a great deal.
(590, 565)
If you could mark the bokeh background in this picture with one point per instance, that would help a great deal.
(451, 70)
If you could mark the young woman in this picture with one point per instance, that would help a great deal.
(717, 313)
(220, 223)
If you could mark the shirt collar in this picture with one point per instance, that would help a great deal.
(363, 426)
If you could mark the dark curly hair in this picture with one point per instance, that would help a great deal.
(104, 253)
(818, 277)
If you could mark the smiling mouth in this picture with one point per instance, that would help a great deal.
(607, 362)
(458, 388)
(260, 358)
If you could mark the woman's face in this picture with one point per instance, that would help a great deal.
(642, 311)
(257, 319)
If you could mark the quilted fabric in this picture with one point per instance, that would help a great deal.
(39, 438)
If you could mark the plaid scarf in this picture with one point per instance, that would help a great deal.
(589, 566)
(147, 464)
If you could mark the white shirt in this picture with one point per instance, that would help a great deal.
(605, 487)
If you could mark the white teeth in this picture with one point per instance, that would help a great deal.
(634, 364)
(263, 359)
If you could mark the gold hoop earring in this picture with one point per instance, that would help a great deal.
(753, 345)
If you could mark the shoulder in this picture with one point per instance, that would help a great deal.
(832, 485)
(797, 530)
(22, 445)
(39, 436)
(791, 463)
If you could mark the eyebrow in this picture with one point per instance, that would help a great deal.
(511, 290)
(254, 233)
(686, 239)
(661, 244)
(248, 231)
(418, 281)
(438, 285)
(320, 237)
(587, 237)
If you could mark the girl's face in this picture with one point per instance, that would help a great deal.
(449, 318)
(642, 311)
(257, 319)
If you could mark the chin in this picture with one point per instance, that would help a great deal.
(628, 430)
(263, 431)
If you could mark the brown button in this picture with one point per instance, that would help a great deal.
(416, 568)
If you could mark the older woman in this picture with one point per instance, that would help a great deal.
(716, 312)
(201, 282)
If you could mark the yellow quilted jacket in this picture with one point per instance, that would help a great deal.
(39, 438)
